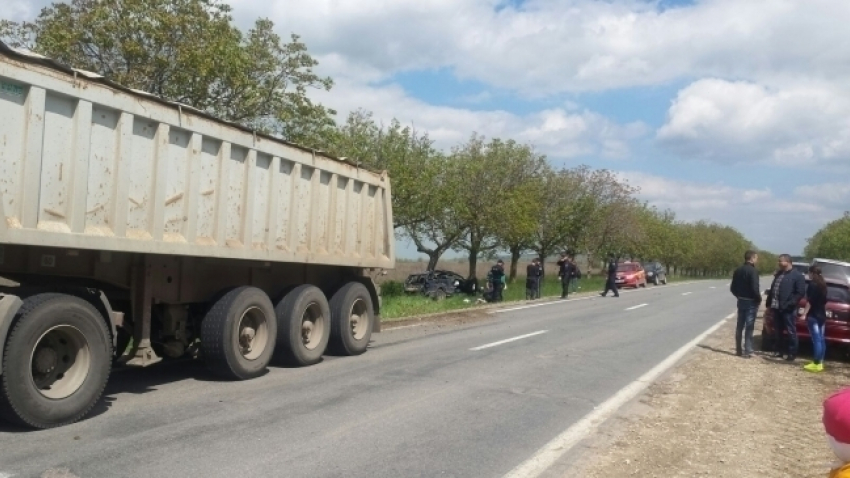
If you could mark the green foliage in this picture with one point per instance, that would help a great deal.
(187, 51)
(392, 288)
(832, 241)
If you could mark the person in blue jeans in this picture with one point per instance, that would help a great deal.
(745, 287)
(816, 317)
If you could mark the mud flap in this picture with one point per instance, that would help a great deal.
(9, 305)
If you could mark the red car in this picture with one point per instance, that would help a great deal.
(837, 329)
(630, 274)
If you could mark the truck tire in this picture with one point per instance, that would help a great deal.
(352, 319)
(238, 334)
(303, 326)
(57, 361)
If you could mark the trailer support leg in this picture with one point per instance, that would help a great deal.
(142, 354)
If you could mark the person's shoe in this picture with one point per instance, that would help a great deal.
(790, 358)
(814, 367)
(778, 355)
(747, 356)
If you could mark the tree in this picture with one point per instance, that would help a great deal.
(832, 241)
(187, 51)
(493, 194)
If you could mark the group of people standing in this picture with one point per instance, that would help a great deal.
(786, 290)
(568, 274)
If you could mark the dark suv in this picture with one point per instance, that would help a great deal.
(655, 273)
(439, 284)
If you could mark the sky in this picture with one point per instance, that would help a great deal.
(724, 110)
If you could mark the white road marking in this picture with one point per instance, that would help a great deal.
(512, 339)
(712, 287)
(6, 475)
(561, 444)
(592, 297)
(687, 293)
(637, 307)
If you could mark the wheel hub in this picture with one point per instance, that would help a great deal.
(246, 339)
(307, 330)
(45, 360)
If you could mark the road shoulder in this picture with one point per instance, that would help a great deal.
(722, 416)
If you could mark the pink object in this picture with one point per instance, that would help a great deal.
(836, 416)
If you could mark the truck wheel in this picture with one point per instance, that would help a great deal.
(238, 334)
(57, 361)
(352, 317)
(303, 326)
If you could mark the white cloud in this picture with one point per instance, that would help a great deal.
(548, 46)
(775, 221)
(557, 132)
(726, 121)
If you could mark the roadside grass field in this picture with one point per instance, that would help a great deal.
(399, 307)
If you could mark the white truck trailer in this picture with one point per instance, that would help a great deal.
(135, 229)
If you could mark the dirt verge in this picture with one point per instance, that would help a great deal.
(720, 415)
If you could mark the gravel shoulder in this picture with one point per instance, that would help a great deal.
(720, 415)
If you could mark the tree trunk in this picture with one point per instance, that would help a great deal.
(433, 258)
(516, 251)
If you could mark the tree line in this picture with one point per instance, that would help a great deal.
(832, 241)
(484, 197)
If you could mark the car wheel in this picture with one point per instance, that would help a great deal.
(438, 295)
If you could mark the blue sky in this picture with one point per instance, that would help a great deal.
(731, 111)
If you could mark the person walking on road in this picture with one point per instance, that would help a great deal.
(566, 269)
(745, 287)
(532, 280)
(788, 287)
(497, 277)
(816, 317)
(611, 282)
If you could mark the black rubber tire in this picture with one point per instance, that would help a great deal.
(767, 341)
(219, 334)
(290, 348)
(20, 401)
(438, 295)
(342, 340)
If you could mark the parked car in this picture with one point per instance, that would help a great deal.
(837, 329)
(802, 267)
(656, 273)
(630, 274)
(837, 270)
(439, 284)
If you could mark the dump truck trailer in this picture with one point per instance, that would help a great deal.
(137, 230)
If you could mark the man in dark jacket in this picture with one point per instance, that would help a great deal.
(611, 282)
(532, 280)
(789, 286)
(745, 286)
(497, 277)
(566, 269)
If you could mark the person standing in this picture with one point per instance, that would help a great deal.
(532, 280)
(539, 283)
(788, 287)
(611, 282)
(745, 287)
(565, 273)
(497, 277)
(816, 317)
(574, 287)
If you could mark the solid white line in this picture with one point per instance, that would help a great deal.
(637, 307)
(687, 293)
(6, 475)
(561, 444)
(512, 339)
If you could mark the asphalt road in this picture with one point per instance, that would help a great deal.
(458, 401)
